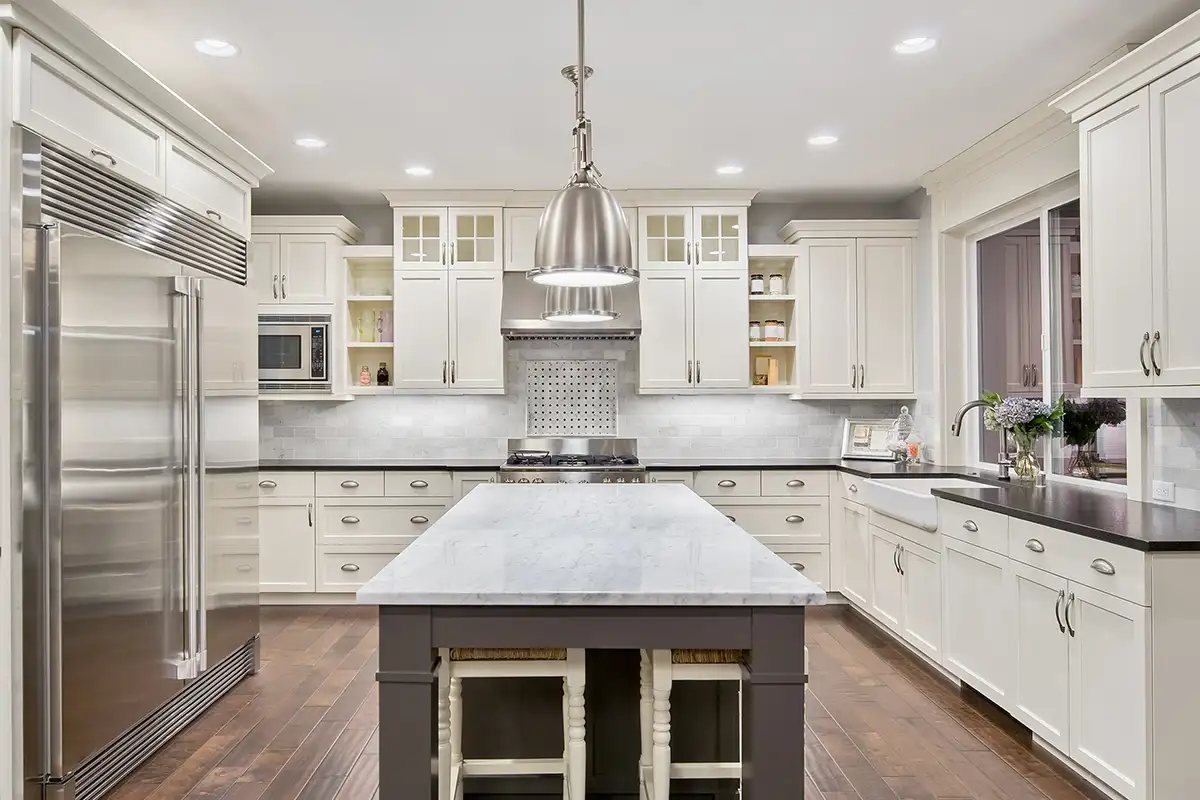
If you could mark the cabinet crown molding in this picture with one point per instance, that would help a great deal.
(799, 229)
(1139, 67)
(312, 224)
(537, 198)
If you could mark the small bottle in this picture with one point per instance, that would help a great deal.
(382, 377)
(364, 376)
(756, 284)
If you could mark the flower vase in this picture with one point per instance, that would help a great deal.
(1025, 464)
(1085, 464)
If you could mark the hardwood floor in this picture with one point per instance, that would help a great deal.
(879, 727)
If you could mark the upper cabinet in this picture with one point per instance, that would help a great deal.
(467, 238)
(297, 260)
(705, 237)
(1140, 194)
(520, 236)
(200, 183)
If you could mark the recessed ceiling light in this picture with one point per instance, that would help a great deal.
(217, 48)
(310, 142)
(419, 172)
(822, 140)
(918, 44)
(730, 169)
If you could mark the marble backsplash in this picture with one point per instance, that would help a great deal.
(1174, 447)
(666, 426)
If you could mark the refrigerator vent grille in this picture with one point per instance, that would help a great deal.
(79, 192)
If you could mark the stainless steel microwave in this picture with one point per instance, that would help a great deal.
(293, 353)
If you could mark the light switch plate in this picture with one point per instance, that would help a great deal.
(1164, 491)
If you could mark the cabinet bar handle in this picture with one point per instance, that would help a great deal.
(1035, 545)
(98, 153)
(443, 254)
(900, 560)
(1067, 615)
(1062, 595)
(971, 526)
(275, 286)
(418, 520)
(1035, 374)
(350, 567)
(689, 371)
(310, 519)
(688, 249)
(795, 518)
(444, 363)
(453, 371)
(1142, 353)
(418, 484)
(854, 376)
(1153, 357)
(349, 484)
(731, 518)
(268, 484)
(726, 483)
(697, 372)
(213, 214)
(795, 484)
(452, 253)
(283, 285)
(1104, 567)
(1025, 375)
(862, 376)
(348, 520)
(799, 567)
(896, 558)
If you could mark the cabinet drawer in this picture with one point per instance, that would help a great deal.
(65, 104)
(287, 484)
(794, 483)
(687, 479)
(233, 571)
(985, 529)
(811, 561)
(729, 483)
(791, 522)
(418, 484)
(234, 485)
(198, 182)
(348, 523)
(850, 484)
(347, 572)
(1081, 559)
(349, 484)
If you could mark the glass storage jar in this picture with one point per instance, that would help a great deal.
(756, 331)
(775, 284)
(757, 285)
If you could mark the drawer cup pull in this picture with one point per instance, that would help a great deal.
(795, 518)
(796, 565)
(418, 520)
(268, 484)
(1104, 567)
(1035, 545)
(244, 520)
(350, 520)
(98, 153)
(726, 484)
(795, 484)
(244, 568)
(418, 484)
(349, 484)
(350, 568)
(854, 487)
(731, 518)
(971, 526)
(213, 214)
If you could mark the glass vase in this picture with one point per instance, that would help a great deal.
(1085, 463)
(1025, 464)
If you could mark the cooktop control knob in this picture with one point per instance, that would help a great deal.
(523, 480)
(538, 480)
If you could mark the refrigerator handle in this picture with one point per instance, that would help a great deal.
(184, 288)
(200, 539)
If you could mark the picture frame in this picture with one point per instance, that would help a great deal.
(866, 440)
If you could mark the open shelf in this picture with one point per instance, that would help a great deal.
(778, 298)
(369, 317)
(371, 345)
(370, 298)
(772, 344)
(360, 390)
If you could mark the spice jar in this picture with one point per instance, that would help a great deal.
(756, 285)
(364, 376)
(756, 332)
(775, 284)
(770, 332)
(382, 378)
(780, 331)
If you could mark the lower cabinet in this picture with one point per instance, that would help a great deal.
(1041, 696)
(887, 584)
(855, 542)
(978, 638)
(921, 622)
(287, 544)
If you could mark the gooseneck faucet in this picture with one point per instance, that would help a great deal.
(1002, 461)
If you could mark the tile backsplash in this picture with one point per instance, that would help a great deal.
(666, 426)
(1174, 447)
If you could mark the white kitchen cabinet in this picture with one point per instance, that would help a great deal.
(857, 335)
(476, 346)
(464, 482)
(855, 554)
(308, 266)
(665, 238)
(264, 267)
(680, 477)
(703, 237)
(887, 584)
(665, 359)
(1041, 692)
(921, 618)
(719, 238)
(297, 260)
(201, 184)
(520, 236)
(1109, 653)
(721, 315)
(978, 638)
(465, 238)
(422, 323)
(287, 544)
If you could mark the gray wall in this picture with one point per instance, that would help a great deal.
(375, 219)
(767, 218)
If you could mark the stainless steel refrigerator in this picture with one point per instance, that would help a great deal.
(139, 452)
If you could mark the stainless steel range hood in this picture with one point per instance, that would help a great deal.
(525, 302)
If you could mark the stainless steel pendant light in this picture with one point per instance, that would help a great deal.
(579, 304)
(582, 238)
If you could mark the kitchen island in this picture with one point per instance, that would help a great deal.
(598, 567)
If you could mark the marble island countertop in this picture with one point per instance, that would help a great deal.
(577, 545)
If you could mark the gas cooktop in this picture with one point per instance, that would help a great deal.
(575, 460)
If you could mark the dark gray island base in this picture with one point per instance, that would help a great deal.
(773, 690)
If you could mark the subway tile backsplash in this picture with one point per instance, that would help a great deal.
(666, 426)
(1174, 449)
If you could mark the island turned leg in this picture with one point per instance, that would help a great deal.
(773, 717)
(407, 679)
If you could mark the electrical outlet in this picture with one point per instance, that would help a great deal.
(1164, 491)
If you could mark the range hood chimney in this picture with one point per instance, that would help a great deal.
(524, 309)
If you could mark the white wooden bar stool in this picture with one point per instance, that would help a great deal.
(457, 664)
(660, 669)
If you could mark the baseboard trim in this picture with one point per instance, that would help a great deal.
(307, 599)
(1095, 787)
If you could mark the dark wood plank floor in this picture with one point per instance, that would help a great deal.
(880, 727)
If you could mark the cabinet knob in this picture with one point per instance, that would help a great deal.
(796, 565)
(1104, 567)
(268, 484)
(350, 568)
(725, 484)
(971, 526)
(350, 520)
(795, 518)
(349, 484)
(1036, 546)
(418, 484)
(418, 520)
(795, 484)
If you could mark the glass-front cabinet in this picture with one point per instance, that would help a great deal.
(706, 237)
(467, 238)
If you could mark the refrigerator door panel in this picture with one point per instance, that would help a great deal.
(227, 332)
(123, 566)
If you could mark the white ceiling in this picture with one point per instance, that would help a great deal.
(471, 88)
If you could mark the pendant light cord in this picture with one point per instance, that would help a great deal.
(579, 71)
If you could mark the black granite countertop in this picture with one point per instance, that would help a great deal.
(313, 464)
(1095, 513)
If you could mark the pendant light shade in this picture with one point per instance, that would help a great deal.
(583, 238)
(579, 304)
